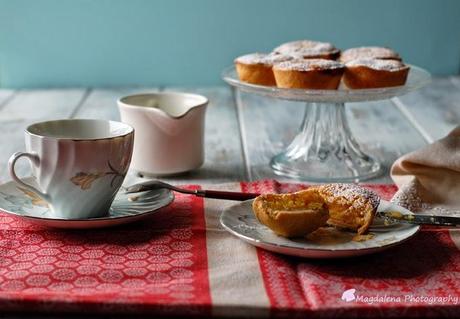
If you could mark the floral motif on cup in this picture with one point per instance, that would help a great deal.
(86, 180)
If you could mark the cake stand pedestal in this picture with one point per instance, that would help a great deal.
(325, 150)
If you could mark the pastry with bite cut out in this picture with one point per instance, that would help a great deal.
(350, 206)
(291, 215)
(346, 206)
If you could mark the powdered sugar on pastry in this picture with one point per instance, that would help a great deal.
(306, 48)
(378, 64)
(263, 58)
(369, 53)
(359, 196)
(308, 65)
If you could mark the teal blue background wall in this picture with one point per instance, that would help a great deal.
(62, 43)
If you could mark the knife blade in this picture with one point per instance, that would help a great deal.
(420, 219)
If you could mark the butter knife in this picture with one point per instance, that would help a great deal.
(420, 219)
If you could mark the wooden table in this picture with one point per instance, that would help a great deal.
(240, 141)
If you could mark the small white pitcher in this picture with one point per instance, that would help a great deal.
(169, 129)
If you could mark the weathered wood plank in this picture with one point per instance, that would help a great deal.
(456, 80)
(102, 103)
(268, 125)
(37, 105)
(5, 96)
(435, 108)
(27, 107)
(384, 132)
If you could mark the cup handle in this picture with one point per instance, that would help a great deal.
(33, 157)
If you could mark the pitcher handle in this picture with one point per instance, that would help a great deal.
(33, 157)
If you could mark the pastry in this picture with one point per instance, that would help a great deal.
(308, 49)
(292, 215)
(308, 74)
(369, 53)
(256, 68)
(374, 73)
(347, 206)
(350, 206)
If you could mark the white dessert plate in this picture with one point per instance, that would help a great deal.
(22, 203)
(241, 222)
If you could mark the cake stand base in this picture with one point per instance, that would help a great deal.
(325, 149)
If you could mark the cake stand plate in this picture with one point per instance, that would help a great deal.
(325, 150)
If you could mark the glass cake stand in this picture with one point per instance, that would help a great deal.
(325, 150)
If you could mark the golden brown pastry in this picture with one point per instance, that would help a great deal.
(308, 49)
(256, 68)
(374, 73)
(291, 215)
(308, 74)
(369, 53)
(350, 206)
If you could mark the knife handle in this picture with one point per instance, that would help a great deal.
(225, 195)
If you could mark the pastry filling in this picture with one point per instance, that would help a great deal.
(291, 215)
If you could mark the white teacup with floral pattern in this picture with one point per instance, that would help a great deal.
(79, 164)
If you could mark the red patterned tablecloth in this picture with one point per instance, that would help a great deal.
(182, 262)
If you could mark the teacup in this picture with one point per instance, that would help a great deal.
(169, 131)
(79, 164)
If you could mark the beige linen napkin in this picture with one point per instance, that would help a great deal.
(429, 178)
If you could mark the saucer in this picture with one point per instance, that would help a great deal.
(241, 222)
(126, 208)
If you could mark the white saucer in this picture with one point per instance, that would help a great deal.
(27, 205)
(241, 222)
